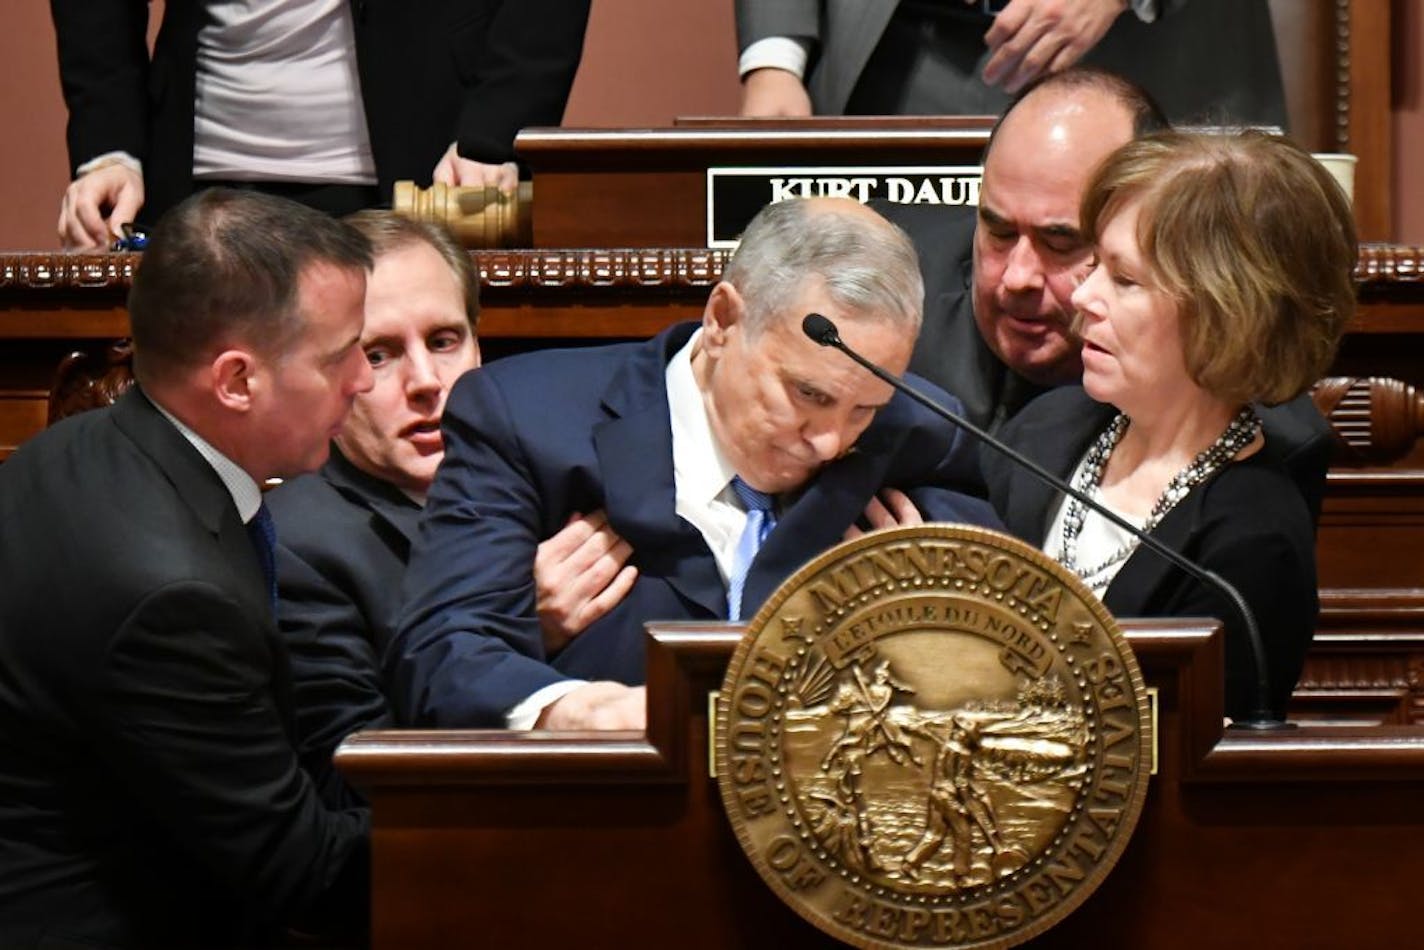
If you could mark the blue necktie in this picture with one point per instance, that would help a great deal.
(761, 518)
(264, 539)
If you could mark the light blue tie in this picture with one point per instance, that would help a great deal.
(761, 518)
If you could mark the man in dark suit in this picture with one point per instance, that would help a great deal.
(326, 101)
(999, 278)
(725, 454)
(150, 795)
(345, 531)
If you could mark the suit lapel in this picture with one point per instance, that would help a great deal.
(634, 448)
(1057, 442)
(1142, 577)
(200, 488)
(393, 511)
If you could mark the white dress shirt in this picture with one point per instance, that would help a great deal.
(245, 492)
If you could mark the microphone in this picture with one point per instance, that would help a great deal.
(823, 332)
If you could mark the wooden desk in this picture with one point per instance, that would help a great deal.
(1307, 838)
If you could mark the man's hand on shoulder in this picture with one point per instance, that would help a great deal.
(598, 705)
(580, 574)
(774, 93)
(96, 203)
(1032, 38)
(891, 508)
(454, 170)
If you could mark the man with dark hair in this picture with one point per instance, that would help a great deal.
(726, 455)
(150, 795)
(999, 279)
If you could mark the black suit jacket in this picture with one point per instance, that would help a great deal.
(1249, 524)
(950, 352)
(533, 438)
(343, 538)
(432, 72)
(149, 791)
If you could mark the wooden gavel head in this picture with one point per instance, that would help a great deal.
(478, 217)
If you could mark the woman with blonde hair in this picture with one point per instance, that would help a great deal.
(1222, 279)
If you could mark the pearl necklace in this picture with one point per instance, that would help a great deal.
(1239, 434)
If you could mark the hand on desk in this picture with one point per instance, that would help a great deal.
(597, 705)
(1032, 38)
(580, 574)
(95, 205)
(454, 170)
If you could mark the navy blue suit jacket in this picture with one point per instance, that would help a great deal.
(530, 440)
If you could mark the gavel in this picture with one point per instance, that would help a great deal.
(478, 217)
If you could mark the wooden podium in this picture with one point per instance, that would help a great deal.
(1310, 837)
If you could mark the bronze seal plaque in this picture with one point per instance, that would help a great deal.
(933, 736)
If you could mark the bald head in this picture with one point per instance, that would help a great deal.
(1029, 253)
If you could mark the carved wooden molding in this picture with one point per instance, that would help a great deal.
(89, 379)
(672, 268)
(1376, 420)
(56, 271)
(565, 269)
(538, 270)
(1383, 264)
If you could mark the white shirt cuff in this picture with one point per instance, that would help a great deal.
(110, 158)
(526, 713)
(774, 52)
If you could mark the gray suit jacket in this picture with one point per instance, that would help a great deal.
(1203, 60)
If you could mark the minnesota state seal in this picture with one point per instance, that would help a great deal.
(933, 736)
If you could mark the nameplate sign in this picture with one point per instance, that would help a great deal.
(735, 195)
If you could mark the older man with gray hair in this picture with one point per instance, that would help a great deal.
(726, 453)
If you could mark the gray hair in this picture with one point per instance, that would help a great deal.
(868, 265)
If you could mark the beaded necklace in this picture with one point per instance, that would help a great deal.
(1239, 434)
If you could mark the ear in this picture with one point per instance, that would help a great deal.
(233, 378)
(724, 312)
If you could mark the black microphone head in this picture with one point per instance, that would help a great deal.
(820, 329)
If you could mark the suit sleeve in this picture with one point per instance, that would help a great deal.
(189, 723)
(759, 19)
(951, 487)
(518, 69)
(103, 69)
(336, 671)
(469, 646)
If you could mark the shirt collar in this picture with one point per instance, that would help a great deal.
(246, 494)
(701, 471)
